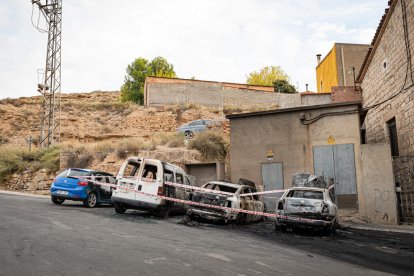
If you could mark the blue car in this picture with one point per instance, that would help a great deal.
(69, 185)
(195, 126)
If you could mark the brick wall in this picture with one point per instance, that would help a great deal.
(385, 78)
(345, 94)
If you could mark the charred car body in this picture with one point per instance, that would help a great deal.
(308, 205)
(232, 197)
(149, 176)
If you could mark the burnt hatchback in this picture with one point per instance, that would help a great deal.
(224, 194)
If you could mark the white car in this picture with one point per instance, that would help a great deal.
(231, 198)
(306, 207)
(148, 176)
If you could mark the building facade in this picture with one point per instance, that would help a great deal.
(340, 66)
(387, 81)
(269, 147)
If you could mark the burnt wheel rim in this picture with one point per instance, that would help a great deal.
(92, 200)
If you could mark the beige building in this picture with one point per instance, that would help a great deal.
(269, 147)
(387, 81)
(340, 66)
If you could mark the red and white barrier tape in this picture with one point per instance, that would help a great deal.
(193, 203)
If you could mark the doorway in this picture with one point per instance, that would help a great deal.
(272, 177)
(337, 162)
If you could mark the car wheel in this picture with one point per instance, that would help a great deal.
(91, 201)
(241, 218)
(57, 200)
(188, 135)
(119, 208)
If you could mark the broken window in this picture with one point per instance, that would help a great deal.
(131, 169)
(306, 194)
(246, 191)
(392, 131)
(187, 181)
(168, 176)
(222, 188)
(179, 178)
(150, 171)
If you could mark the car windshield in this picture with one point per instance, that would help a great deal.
(306, 194)
(218, 187)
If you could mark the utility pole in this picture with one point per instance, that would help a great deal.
(51, 86)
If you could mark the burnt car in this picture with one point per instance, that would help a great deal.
(306, 207)
(231, 196)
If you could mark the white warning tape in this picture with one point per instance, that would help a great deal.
(211, 206)
(198, 188)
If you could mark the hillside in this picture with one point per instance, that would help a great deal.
(91, 117)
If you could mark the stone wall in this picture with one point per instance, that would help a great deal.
(387, 77)
(39, 181)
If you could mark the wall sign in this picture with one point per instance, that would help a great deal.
(331, 140)
(269, 154)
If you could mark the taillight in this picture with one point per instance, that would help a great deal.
(160, 191)
(82, 183)
(54, 180)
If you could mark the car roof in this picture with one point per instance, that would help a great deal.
(308, 188)
(79, 169)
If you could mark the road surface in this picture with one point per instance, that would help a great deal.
(39, 238)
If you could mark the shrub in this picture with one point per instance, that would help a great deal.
(16, 160)
(50, 159)
(79, 160)
(130, 146)
(210, 144)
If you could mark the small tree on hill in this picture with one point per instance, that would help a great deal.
(283, 86)
(133, 88)
(266, 76)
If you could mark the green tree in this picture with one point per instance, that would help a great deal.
(267, 76)
(283, 86)
(133, 88)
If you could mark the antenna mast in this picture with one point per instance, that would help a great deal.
(51, 86)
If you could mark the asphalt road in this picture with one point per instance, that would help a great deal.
(39, 238)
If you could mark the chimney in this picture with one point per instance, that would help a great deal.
(318, 58)
(307, 90)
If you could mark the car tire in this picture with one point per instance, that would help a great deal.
(57, 200)
(188, 135)
(91, 200)
(119, 208)
(241, 218)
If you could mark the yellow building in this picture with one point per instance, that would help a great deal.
(340, 66)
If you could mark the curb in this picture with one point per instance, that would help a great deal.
(22, 194)
(373, 228)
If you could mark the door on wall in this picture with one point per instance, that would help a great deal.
(272, 177)
(338, 162)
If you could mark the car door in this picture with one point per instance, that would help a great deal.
(104, 192)
(258, 204)
(247, 203)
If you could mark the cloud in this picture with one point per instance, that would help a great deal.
(219, 40)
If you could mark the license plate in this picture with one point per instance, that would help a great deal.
(62, 192)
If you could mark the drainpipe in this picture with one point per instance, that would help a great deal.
(343, 65)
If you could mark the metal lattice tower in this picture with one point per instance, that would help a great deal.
(51, 86)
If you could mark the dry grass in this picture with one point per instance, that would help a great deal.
(16, 160)
(211, 144)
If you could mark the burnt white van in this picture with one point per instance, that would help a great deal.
(148, 176)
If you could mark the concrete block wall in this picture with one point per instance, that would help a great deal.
(217, 94)
(386, 78)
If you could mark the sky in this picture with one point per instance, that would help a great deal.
(218, 40)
